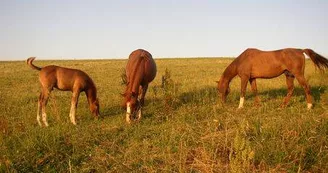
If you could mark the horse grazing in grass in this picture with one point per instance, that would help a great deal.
(64, 79)
(254, 63)
(140, 71)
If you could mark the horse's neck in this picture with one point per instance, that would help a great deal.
(131, 89)
(230, 72)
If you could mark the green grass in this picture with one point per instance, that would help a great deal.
(184, 127)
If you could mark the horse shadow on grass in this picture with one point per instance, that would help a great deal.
(111, 111)
(209, 95)
(204, 95)
(164, 105)
(168, 103)
(316, 92)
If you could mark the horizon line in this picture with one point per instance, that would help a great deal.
(63, 59)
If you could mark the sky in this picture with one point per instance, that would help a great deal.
(81, 29)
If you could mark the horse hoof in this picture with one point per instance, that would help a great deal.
(282, 106)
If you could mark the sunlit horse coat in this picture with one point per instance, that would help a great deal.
(254, 63)
(64, 79)
(140, 71)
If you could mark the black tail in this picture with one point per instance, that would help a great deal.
(29, 62)
(318, 60)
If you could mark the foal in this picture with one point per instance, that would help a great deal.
(254, 63)
(64, 79)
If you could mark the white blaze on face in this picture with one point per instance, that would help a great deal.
(128, 112)
(128, 107)
(241, 102)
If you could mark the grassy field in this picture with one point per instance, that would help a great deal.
(184, 127)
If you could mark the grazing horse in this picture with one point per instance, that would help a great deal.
(254, 63)
(140, 71)
(64, 79)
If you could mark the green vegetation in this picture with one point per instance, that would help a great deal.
(184, 127)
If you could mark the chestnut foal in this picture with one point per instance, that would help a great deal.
(64, 79)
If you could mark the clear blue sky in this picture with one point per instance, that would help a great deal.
(167, 28)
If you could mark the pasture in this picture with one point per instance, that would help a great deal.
(184, 127)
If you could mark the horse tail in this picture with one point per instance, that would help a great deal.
(318, 60)
(29, 62)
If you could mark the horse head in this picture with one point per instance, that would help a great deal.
(133, 107)
(94, 108)
(223, 89)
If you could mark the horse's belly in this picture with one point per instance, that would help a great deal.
(63, 87)
(269, 72)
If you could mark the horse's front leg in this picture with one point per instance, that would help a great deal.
(244, 80)
(254, 89)
(142, 100)
(74, 102)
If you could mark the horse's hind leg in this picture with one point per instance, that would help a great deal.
(254, 89)
(38, 117)
(74, 102)
(44, 100)
(290, 87)
(301, 80)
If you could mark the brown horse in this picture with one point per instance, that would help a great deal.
(64, 79)
(140, 71)
(254, 63)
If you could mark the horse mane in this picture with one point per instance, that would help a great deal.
(231, 71)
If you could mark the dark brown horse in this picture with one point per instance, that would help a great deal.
(140, 71)
(254, 63)
(64, 79)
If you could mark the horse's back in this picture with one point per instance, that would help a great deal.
(255, 55)
(268, 64)
(141, 61)
(64, 78)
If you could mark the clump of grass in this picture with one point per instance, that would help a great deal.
(124, 79)
(170, 89)
(242, 154)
